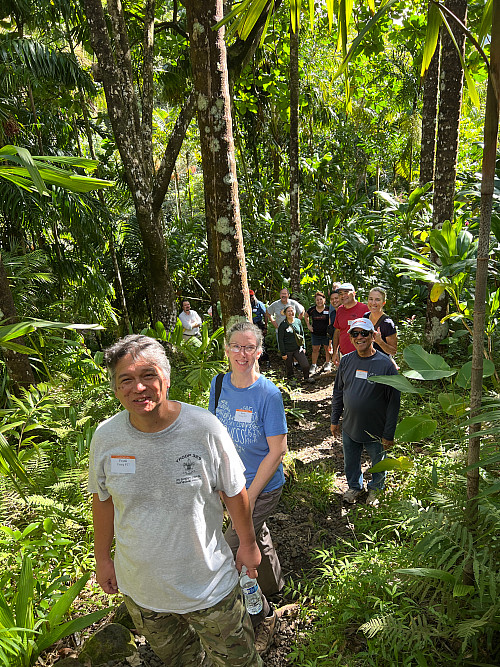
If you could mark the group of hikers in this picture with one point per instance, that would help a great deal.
(159, 469)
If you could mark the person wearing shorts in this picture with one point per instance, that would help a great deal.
(317, 319)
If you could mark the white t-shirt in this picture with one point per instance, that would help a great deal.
(277, 306)
(171, 555)
(188, 321)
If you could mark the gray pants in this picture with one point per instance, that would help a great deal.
(270, 579)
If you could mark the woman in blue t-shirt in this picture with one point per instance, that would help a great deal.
(251, 408)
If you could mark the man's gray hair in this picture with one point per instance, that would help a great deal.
(245, 326)
(138, 346)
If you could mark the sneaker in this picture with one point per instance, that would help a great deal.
(372, 498)
(264, 633)
(351, 495)
(327, 367)
(313, 369)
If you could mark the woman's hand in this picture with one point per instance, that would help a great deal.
(378, 336)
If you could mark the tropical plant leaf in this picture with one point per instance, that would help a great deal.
(389, 463)
(425, 366)
(428, 573)
(415, 429)
(464, 374)
(452, 404)
(436, 291)
(399, 382)
(431, 37)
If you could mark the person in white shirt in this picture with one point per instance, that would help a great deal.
(275, 310)
(190, 319)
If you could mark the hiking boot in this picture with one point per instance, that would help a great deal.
(313, 369)
(327, 367)
(264, 633)
(372, 498)
(351, 495)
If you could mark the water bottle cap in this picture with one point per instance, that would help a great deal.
(243, 569)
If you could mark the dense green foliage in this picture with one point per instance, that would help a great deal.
(416, 585)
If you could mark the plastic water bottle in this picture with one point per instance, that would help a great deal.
(251, 593)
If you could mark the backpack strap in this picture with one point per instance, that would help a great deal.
(218, 389)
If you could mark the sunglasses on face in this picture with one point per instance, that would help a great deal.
(363, 333)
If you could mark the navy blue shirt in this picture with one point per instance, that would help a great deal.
(370, 410)
(258, 311)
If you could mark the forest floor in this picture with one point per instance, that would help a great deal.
(298, 528)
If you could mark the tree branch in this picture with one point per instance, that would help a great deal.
(166, 168)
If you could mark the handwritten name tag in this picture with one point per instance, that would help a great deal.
(123, 464)
(362, 375)
(243, 416)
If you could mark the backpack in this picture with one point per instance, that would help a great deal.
(218, 388)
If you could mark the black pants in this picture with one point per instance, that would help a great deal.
(300, 356)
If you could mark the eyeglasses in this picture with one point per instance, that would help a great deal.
(355, 334)
(247, 349)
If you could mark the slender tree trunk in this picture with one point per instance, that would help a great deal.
(18, 365)
(294, 163)
(429, 118)
(487, 189)
(450, 104)
(210, 74)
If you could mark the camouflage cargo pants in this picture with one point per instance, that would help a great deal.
(223, 632)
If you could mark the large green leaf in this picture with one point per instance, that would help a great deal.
(452, 404)
(68, 628)
(401, 463)
(425, 366)
(464, 374)
(399, 382)
(415, 429)
(33, 173)
(429, 375)
(431, 37)
(429, 573)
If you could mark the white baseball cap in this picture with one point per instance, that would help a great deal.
(362, 323)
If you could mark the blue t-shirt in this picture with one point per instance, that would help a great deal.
(251, 415)
(258, 311)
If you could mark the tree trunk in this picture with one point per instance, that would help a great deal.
(450, 104)
(429, 116)
(487, 189)
(294, 163)
(131, 120)
(222, 210)
(18, 365)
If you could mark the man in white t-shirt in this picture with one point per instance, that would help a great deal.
(155, 472)
(275, 310)
(190, 319)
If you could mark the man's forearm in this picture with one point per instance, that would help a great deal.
(248, 553)
(238, 507)
(103, 513)
(336, 339)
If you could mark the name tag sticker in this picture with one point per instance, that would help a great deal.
(122, 464)
(362, 375)
(243, 416)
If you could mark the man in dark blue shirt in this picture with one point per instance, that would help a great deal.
(370, 410)
(259, 318)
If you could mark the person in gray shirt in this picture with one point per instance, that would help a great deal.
(155, 471)
(370, 410)
(275, 310)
